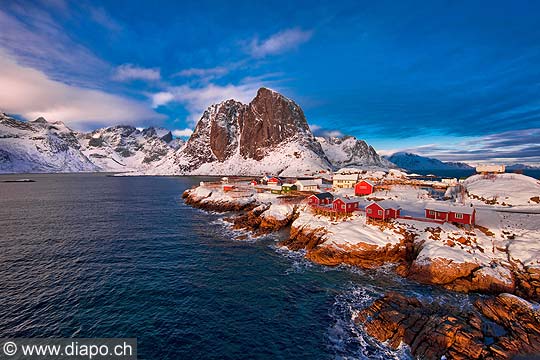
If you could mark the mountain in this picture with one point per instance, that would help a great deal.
(515, 167)
(125, 148)
(348, 151)
(42, 146)
(270, 134)
(413, 162)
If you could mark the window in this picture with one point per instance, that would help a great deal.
(379, 212)
(369, 211)
(459, 216)
(343, 206)
(431, 212)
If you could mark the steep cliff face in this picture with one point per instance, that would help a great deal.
(270, 134)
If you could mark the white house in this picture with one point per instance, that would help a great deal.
(343, 181)
(307, 185)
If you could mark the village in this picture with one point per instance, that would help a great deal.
(475, 234)
(351, 190)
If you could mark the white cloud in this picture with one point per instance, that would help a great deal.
(128, 72)
(41, 43)
(182, 132)
(200, 72)
(30, 93)
(279, 42)
(318, 130)
(197, 99)
(161, 98)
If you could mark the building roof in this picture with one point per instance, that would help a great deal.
(347, 177)
(307, 182)
(274, 187)
(386, 204)
(345, 200)
(288, 185)
(366, 181)
(324, 195)
(451, 208)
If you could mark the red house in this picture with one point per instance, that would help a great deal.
(455, 214)
(321, 199)
(228, 187)
(253, 183)
(344, 205)
(383, 210)
(364, 187)
(274, 181)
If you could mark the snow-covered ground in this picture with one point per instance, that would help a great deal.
(503, 189)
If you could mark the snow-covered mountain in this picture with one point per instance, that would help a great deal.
(268, 135)
(125, 148)
(413, 162)
(42, 146)
(348, 151)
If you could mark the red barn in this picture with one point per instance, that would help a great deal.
(383, 210)
(344, 205)
(455, 214)
(321, 199)
(364, 187)
(274, 181)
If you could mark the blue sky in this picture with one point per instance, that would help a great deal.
(455, 80)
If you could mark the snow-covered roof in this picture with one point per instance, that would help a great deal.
(307, 182)
(450, 208)
(274, 187)
(348, 177)
(288, 185)
(386, 204)
(345, 200)
(324, 195)
(367, 181)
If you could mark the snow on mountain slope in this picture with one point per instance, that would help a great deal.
(125, 148)
(413, 162)
(509, 189)
(40, 146)
(348, 151)
(268, 135)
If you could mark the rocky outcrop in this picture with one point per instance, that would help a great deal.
(259, 223)
(232, 131)
(194, 199)
(433, 330)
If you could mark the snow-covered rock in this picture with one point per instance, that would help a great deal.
(503, 189)
(43, 146)
(348, 151)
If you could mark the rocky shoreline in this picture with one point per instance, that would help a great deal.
(500, 326)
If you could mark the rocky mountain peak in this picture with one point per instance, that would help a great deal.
(250, 131)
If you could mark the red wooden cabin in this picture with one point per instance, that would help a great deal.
(274, 181)
(344, 205)
(364, 187)
(383, 210)
(455, 214)
(321, 199)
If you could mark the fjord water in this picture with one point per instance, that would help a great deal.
(87, 255)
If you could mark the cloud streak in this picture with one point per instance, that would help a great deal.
(30, 93)
(127, 72)
(279, 43)
(197, 99)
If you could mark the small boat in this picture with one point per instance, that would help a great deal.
(19, 181)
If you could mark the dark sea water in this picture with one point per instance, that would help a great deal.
(86, 255)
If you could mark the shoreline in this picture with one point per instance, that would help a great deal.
(402, 252)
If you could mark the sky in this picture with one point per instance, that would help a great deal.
(456, 80)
